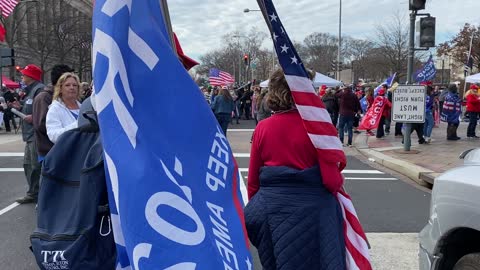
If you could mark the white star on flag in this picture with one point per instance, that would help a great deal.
(294, 59)
(273, 17)
(283, 30)
(284, 48)
(275, 36)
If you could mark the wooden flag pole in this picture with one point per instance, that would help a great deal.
(168, 24)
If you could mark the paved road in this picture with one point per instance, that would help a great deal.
(392, 210)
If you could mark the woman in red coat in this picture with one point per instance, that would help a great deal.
(292, 218)
(473, 109)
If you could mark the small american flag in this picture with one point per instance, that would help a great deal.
(218, 77)
(323, 135)
(7, 7)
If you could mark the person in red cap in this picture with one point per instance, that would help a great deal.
(473, 109)
(322, 91)
(31, 77)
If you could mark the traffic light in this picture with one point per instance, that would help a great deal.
(18, 68)
(245, 59)
(427, 32)
(416, 4)
(7, 57)
(334, 65)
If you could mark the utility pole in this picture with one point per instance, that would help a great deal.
(407, 142)
(339, 42)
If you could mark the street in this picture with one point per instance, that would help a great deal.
(391, 209)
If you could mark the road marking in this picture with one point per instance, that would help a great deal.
(239, 129)
(8, 208)
(393, 250)
(241, 155)
(344, 171)
(11, 169)
(362, 172)
(371, 179)
(11, 154)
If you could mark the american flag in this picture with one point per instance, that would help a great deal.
(322, 134)
(7, 7)
(218, 77)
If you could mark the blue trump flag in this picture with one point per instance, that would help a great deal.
(173, 182)
(388, 81)
(427, 72)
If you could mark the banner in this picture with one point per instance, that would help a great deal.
(373, 115)
(173, 182)
(427, 72)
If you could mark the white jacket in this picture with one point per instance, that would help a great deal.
(59, 120)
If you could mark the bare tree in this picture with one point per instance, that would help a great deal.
(360, 52)
(319, 50)
(229, 57)
(392, 43)
(50, 31)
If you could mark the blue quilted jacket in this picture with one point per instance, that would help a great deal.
(295, 222)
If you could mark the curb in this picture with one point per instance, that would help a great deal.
(417, 173)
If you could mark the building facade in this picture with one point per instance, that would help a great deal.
(49, 32)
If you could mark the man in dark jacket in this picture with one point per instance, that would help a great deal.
(331, 104)
(247, 103)
(10, 96)
(349, 106)
(40, 109)
(31, 76)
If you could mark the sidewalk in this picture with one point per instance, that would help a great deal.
(425, 161)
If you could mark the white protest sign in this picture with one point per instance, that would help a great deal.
(408, 104)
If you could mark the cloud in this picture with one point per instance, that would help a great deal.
(201, 24)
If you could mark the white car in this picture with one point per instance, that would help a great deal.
(451, 239)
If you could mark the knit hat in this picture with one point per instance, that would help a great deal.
(453, 88)
(33, 72)
(474, 87)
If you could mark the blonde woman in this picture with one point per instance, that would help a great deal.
(63, 112)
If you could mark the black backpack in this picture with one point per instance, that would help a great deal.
(74, 229)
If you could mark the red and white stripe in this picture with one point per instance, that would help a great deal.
(332, 160)
(7, 7)
(224, 78)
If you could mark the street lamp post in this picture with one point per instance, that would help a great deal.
(339, 41)
(240, 61)
(273, 51)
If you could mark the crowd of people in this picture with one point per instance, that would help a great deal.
(347, 105)
(45, 112)
(229, 104)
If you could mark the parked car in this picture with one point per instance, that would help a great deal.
(451, 239)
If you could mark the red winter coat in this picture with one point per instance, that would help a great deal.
(473, 103)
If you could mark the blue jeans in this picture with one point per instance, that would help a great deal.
(429, 122)
(345, 122)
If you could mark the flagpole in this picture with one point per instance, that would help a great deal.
(468, 60)
(168, 24)
(339, 41)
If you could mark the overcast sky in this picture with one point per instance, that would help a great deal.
(200, 24)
